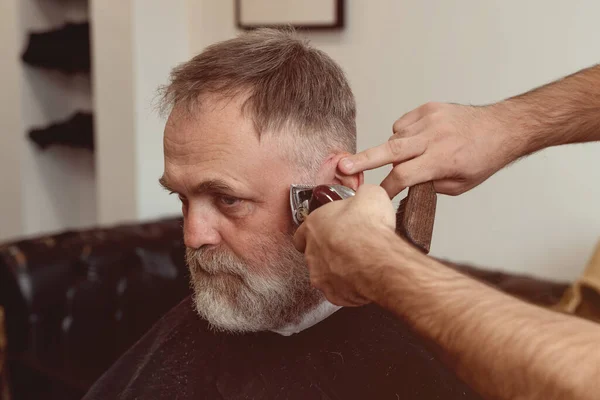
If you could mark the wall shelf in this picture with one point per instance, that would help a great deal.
(112, 56)
(58, 183)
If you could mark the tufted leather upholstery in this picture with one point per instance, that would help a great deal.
(76, 301)
(4, 390)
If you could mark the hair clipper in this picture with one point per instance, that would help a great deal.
(414, 218)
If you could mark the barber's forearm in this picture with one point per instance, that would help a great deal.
(562, 112)
(502, 347)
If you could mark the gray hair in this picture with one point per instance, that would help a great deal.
(290, 86)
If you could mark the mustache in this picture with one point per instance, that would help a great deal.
(219, 268)
(221, 259)
(215, 261)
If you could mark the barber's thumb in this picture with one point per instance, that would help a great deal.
(300, 238)
(368, 191)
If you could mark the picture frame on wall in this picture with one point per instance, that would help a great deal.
(301, 14)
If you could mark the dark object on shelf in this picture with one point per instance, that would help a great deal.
(78, 131)
(75, 301)
(66, 49)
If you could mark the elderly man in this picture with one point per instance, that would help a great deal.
(248, 117)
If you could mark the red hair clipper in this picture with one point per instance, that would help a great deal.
(414, 217)
(305, 199)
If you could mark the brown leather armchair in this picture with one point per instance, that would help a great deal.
(75, 301)
(4, 390)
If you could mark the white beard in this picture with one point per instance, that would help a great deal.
(235, 295)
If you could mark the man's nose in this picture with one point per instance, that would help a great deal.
(199, 229)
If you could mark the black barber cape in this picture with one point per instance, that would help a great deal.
(356, 353)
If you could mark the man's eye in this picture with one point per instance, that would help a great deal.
(229, 201)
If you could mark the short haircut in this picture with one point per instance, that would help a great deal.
(290, 86)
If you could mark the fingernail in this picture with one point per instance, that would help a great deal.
(347, 164)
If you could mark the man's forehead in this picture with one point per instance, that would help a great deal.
(219, 147)
(223, 124)
(212, 148)
(220, 123)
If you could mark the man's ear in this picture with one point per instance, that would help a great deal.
(352, 181)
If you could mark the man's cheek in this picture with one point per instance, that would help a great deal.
(253, 238)
(268, 219)
(281, 220)
(243, 242)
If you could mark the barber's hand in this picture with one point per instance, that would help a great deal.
(342, 239)
(455, 146)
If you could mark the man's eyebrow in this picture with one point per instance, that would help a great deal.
(210, 185)
(213, 185)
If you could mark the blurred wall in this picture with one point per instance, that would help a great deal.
(11, 205)
(541, 215)
(135, 43)
(161, 37)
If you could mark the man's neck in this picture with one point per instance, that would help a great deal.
(313, 317)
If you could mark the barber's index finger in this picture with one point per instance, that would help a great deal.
(392, 151)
